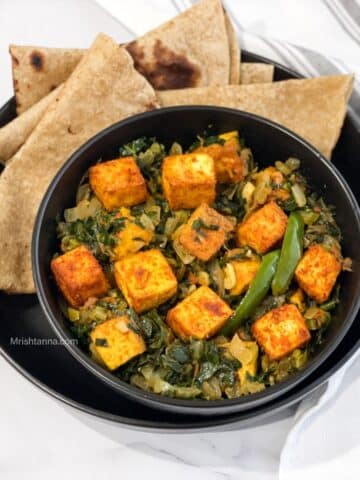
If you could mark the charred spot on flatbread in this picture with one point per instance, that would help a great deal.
(169, 70)
(37, 60)
(136, 52)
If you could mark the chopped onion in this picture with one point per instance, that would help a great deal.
(229, 276)
(245, 352)
(146, 222)
(248, 191)
(309, 216)
(217, 276)
(292, 163)
(299, 195)
(83, 192)
(154, 212)
(170, 226)
(175, 149)
(282, 168)
(84, 209)
(183, 254)
(191, 289)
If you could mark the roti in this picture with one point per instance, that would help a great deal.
(313, 108)
(234, 51)
(256, 73)
(14, 134)
(104, 88)
(37, 71)
(196, 48)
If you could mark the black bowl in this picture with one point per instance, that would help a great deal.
(269, 142)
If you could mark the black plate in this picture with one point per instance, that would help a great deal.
(54, 370)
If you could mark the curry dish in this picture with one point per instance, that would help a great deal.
(191, 272)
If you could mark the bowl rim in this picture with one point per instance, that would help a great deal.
(153, 399)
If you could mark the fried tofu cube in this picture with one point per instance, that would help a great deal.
(145, 279)
(281, 331)
(114, 343)
(118, 183)
(188, 180)
(317, 271)
(205, 232)
(131, 239)
(230, 165)
(245, 272)
(200, 315)
(79, 276)
(263, 229)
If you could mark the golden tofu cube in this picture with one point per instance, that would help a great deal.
(317, 271)
(263, 229)
(79, 276)
(230, 166)
(131, 239)
(200, 315)
(118, 183)
(114, 343)
(245, 272)
(145, 279)
(188, 180)
(205, 232)
(281, 331)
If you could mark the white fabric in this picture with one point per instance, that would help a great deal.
(41, 438)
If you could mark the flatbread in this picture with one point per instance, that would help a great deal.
(37, 71)
(188, 51)
(256, 73)
(104, 88)
(12, 137)
(313, 108)
(15, 133)
(234, 50)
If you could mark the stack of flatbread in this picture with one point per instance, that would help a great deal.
(65, 96)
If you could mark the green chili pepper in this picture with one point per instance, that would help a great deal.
(258, 289)
(291, 252)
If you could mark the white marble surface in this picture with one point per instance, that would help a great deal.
(39, 437)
